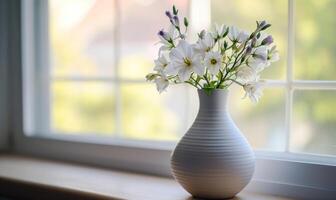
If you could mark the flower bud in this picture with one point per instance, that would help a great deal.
(248, 50)
(186, 23)
(169, 15)
(176, 21)
(164, 34)
(161, 33)
(265, 27)
(201, 34)
(225, 44)
(267, 41)
(262, 23)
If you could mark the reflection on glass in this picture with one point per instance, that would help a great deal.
(244, 13)
(314, 122)
(315, 43)
(263, 123)
(152, 116)
(80, 108)
(140, 22)
(81, 37)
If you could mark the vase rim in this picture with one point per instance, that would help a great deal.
(215, 90)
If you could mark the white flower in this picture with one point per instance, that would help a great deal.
(186, 61)
(273, 56)
(253, 90)
(236, 35)
(219, 31)
(163, 66)
(161, 63)
(161, 83)
(205, 44)
(246, 73)
(167, 38)
(213, 62)
(258, 59)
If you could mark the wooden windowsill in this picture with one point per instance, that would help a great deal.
(32, 178)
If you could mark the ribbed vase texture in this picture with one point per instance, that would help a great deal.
(213, 160)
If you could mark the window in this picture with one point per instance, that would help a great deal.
(84, 63)
(97, 59)
(98, 56)
(295, 112)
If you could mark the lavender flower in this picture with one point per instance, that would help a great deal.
(267, 41)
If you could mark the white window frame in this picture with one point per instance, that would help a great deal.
(282, 173)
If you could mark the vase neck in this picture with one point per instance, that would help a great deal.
(217, 100)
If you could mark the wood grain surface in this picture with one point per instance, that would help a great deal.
(32, 178)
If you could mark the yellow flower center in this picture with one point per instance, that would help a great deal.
(187, 61)
(213, 61)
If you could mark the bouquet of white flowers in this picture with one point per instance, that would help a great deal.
(219, 58)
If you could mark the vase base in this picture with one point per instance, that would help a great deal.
(202, 198)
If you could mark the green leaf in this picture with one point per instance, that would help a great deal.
(208, 91)
(175, 11)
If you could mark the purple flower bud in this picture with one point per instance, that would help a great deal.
(176, 21)
(267, 41)
(164, 34)
(248, 50)
(169, 15)
(161, 33)
(262, 23)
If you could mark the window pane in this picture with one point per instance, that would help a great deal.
(149, 115)
(79, 108)
(244, 13)
(262, 123)
(314, 122)
(81, 37)
(140, 22)
(315, 45)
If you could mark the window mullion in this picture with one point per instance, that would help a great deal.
(289, 74)
(314, 85)
(118, 98)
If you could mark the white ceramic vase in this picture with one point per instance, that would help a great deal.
(213, 160)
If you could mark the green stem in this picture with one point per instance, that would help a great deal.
(192, 84)
(236, 82)
(197, 83)
(206, 77)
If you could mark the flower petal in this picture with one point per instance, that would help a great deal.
(184, 73)
(198, 68)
